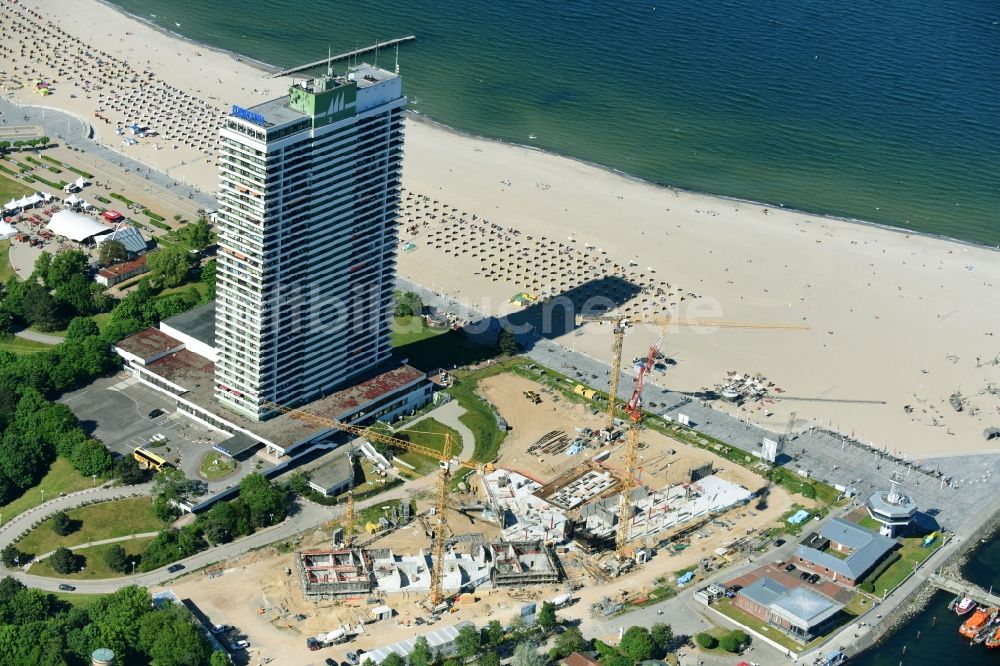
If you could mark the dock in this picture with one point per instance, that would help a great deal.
(347, 54)
(964, 587)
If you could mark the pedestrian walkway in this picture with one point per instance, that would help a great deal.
(91, 544)
(448, 414)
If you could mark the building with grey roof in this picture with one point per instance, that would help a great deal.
(441, 642)
(799, 612)
(844, 551)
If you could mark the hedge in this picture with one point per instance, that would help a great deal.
(81, 172)
(878, 571)
(122, 198)
(102, 199)
(49, 158)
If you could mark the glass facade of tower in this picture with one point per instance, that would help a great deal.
(309, 189)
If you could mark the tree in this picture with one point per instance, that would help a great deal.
(267, 503)
(615, 658)
(494, 633)
(63, 561)
(391, 659)
(570, 641)
(408, 304)
(113, 252)
(41, 269)
(663, 636)
(507, 343)
(489, 659)
(118, 616)
(171, 484)
(62, 524)
(14, 557)
(421, 653)
(220, 658)
(91, 458)
(467, 642)
(76, 293)
(170, 638)
(81, 328)
(117, 559)
(64, 265)
(729, 643)
(705, 641)
(546, 618)
(39, 308)
(169, 267)
(199, 235)
(526, 654)
(637, 644)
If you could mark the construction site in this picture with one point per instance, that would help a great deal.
(579, 500)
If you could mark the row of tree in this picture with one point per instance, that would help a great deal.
(36, 629)
(40, 142)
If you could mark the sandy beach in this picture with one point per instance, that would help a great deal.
(897, 322)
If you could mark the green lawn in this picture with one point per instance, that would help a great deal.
(870, 523)
(215, 466)
(16, 345)
(428, 433)
(201, 287)
(478, 416)
(99, 521)
(11, 189)
(101, 319)
(448, 350)
(6, 272)
(910, 555)
(58, 334)
(859, 605)
(79, 600)
(94, 567)
(407, 330)
(61, 478)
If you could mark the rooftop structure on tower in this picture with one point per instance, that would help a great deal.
(892, 509)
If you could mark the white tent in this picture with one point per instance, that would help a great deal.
(75, 226)
(86, 205)
(72, 200)
(26, 202)
(11, 205)
(6, 231)
(128, 236)
(80, 182)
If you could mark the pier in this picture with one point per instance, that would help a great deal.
(346, 54)
(964, 587)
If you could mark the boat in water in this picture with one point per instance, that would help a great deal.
(971, 626)
(989, 627)
(962, 605)
(994, 639)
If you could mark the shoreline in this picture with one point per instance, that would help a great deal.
(421, 117)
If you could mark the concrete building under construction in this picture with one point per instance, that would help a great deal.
(517, 563)
(326, 574)
(334, 573)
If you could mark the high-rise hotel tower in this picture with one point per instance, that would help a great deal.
(309, 187)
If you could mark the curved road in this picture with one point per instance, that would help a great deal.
(305, 516)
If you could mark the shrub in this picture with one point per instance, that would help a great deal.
(706, 641)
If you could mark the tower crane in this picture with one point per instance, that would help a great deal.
(627, 480)
(621, 323)
(444, 472)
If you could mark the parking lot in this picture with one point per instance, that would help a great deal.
(116, 410)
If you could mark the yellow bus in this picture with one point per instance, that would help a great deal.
(149, 460)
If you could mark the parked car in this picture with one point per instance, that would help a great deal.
(66, 588)
(804, 575)
(789, 567)
(813, 578)
(779, 543)
(330, 661)
(240, 645)
(221, 628)
(353, 658)
(156, 413)
(174, 568)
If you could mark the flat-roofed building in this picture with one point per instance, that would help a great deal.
(799, 612)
